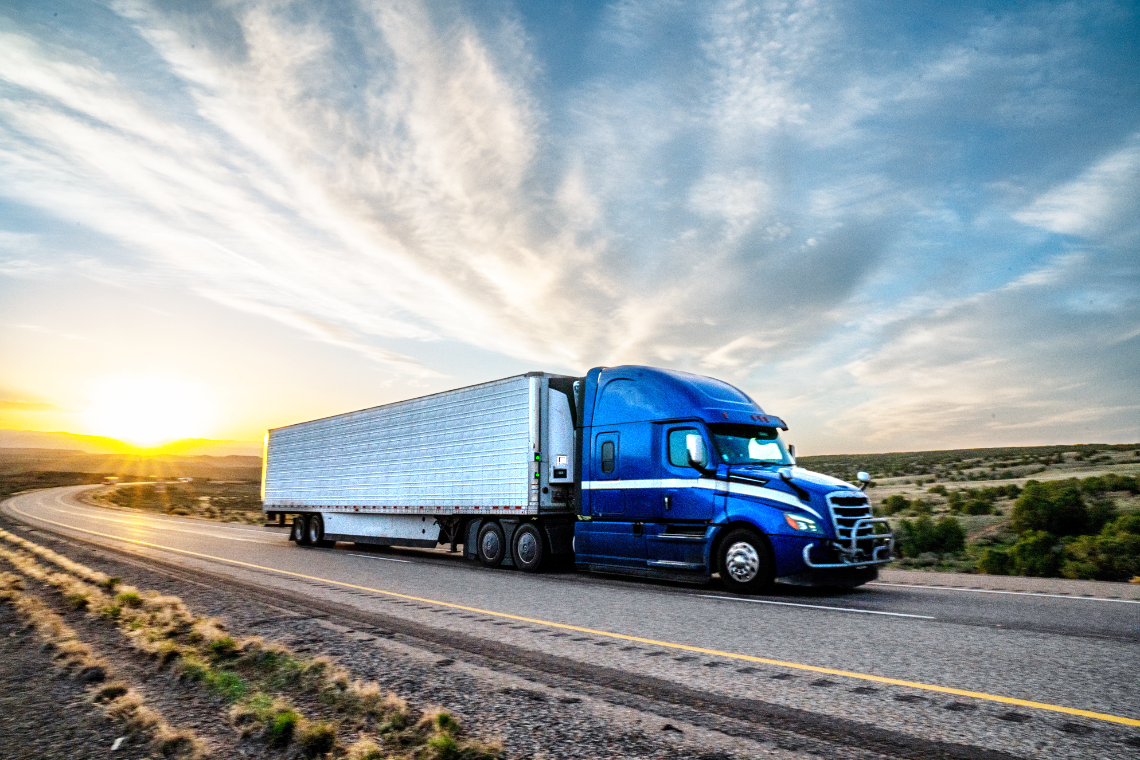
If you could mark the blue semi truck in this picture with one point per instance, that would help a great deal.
(628, 470)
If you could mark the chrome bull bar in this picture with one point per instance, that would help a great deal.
(849, 551)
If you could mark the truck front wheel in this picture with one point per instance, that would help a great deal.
(492, 545)
(744, 562)
(528, 552)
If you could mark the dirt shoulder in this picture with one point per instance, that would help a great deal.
(1060, 586)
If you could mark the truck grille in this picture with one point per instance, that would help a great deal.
(856, 540)
(847, 509)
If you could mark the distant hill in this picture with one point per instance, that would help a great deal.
(94, 444)
(129, 465)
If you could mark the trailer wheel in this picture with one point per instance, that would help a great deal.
(300, 532)
(316, 532)
(492, 546)
(527, 550)
(744, 562)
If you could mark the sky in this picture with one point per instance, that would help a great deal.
(899, 226)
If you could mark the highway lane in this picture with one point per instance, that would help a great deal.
(1070, 653)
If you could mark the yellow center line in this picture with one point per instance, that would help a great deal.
(624, 637)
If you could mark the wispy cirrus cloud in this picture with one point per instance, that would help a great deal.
(893, 220)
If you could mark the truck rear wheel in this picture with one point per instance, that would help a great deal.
(300, 532)
(527, 550)
(316, 532)
(744, 562)
(492, 545)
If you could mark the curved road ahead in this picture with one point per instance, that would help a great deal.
(1024, 674)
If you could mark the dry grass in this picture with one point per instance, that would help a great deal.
(254, 675)
(77, 658)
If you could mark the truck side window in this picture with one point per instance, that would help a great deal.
(608, 457)
(678, 454)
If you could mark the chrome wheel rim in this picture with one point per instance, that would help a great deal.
(742, 562)
(490, 544)
(527, 547)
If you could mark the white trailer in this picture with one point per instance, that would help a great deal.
(491, 465)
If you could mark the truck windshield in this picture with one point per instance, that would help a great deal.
(749, 444)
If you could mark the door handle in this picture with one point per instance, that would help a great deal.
(668, 502)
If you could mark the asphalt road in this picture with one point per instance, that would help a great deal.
(943, 665)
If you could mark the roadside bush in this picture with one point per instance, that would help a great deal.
(1112, 555)
(317, 738)
(1037, 554)
(895, 504)
(939, 489)
(977, 507)
(281, 726)
(1099, 484)
(924, 535)
(995, 562)
(1054, 507)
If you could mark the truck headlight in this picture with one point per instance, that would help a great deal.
(799, 522)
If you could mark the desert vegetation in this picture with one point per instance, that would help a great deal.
(293, 703)
(226, 501)
(1081, 528)
(973, 465)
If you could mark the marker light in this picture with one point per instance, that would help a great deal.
(799, 522)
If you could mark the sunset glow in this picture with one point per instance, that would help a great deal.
(149, 411)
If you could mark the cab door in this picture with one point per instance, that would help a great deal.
(688, 496)
(676, 538)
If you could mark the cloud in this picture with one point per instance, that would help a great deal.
(1101, 201)
(16, 405)
(868, 214)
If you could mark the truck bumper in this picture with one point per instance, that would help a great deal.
(842, 577)
(812, 561)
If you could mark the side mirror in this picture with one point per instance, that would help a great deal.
(698, 454)
(792, 451)
(863, 478)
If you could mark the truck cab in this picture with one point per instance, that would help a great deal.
(680, 476)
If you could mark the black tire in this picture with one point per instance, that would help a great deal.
(316, 532)
(745, 562)
(491, 545)
(300, 531)
(527, 548)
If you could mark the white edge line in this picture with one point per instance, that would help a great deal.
(1015, 593)
(815, 606)
(385, 559)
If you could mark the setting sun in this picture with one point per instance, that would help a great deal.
(149, 411)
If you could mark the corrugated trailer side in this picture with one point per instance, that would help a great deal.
(466, 451)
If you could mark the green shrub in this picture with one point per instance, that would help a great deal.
(77, 601)
(1100, 513)
(1055, 507)
(924, 535)
(995, 562)
(222, 648)
(281, 726)
(443, 747)
(1112, 555)
(111, 611)
(128, 599)
(317, 739)
(895, 504)
(920, 507)
(226, 683)
(1038, 554)
(977, 507)
(939, 489)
